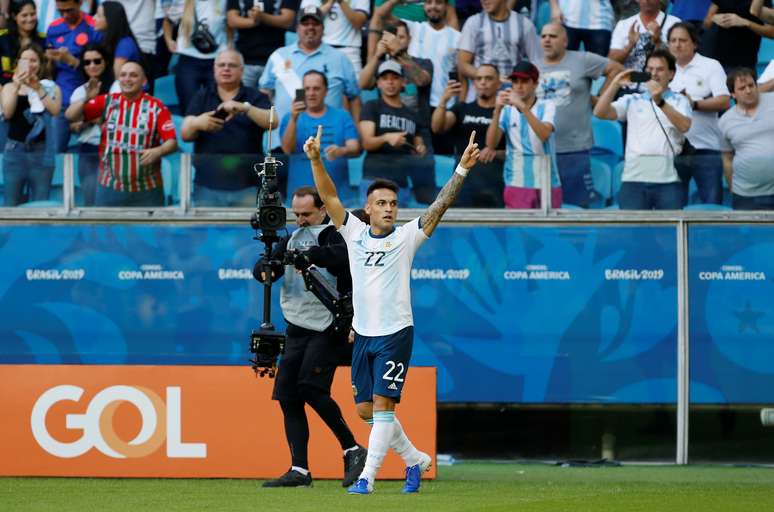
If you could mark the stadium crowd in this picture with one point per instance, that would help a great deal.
(640, 104)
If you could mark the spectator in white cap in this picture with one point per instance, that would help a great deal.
(287, 65)
(343, 22)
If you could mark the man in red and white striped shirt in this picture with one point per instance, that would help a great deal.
(137, 131)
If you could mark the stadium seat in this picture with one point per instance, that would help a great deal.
(602, 179)
(290, 37)
(182, 146)
(164, 90)
(616, 180)
(596, 85)
(355, 168)
(543, 14)
(444, 167)
(568, 206)
(169, 180)
(41, 204)
(607, 135)
(766, 53)
(367, 95)
(708, 207)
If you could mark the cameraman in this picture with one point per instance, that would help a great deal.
(312, 349)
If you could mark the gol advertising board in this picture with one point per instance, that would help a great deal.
(177, 421)
(527, 314)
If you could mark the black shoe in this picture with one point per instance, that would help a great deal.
(354, 462)
(291, 479)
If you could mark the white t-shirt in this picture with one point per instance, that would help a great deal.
(700, 79)
(649, 156)
(768, 73)
(440, 46)
(620, 37)
(141, 16)
(92, 134)
(338, 29)
(588, 14)
(381, 275)
(213, 14)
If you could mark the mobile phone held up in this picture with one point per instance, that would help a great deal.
(639, 77)
(300, 95)
(453, 75)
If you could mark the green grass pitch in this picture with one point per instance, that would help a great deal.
(473, 486)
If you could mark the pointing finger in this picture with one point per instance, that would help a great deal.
(319, 132)
(472, 137)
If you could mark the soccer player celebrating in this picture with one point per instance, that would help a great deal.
(380, 258)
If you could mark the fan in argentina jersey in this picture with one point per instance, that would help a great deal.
(380, 257)
(137, 130)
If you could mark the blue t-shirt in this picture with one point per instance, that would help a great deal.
(59, 35)
(338, 127)
(690, 10)
(127, 49)
(285, 71)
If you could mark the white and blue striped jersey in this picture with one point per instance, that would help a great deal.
(381, 275)
(588, 14)
(526, 156)
(440, 46)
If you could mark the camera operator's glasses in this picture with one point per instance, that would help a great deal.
(89, 62)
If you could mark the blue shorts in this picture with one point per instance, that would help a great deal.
(380, 364)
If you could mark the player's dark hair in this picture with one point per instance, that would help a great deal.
(690, 29)
(318, 73)
(662, 53)
(309, 191)
(382, 183)
(739, 73)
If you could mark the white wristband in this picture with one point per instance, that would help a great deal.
(461, 171)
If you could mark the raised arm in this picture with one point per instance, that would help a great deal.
(323, 181)
(449, 192)
(757, 9)
(604, 108)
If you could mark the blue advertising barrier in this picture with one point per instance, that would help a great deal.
(557, 314)
(731, 326)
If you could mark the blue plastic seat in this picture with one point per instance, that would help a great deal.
(355, 168)
(708, 207)
(367, 95)
(607, 135)
(766, 53)
(164, 90)
(444, 167)
(290, 37)
(602, 179)
(41, 204)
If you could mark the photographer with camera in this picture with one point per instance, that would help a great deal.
(658, 120)
(314, 346)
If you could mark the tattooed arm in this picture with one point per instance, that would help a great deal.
(414, 73)
(449, 192)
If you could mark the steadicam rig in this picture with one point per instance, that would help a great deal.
(269, 217)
